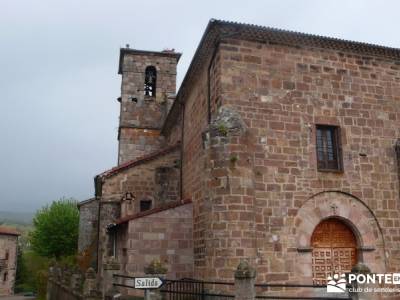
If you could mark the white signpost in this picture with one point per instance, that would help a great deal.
(148, 282)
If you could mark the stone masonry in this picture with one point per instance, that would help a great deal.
(141, 116)
(88, 232)
(8, 259)
(239, 141)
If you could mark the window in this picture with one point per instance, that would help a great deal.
(7, 255)
(328, 148)
(150, 80)
(114, 243)
(5, 276)
(145, 205)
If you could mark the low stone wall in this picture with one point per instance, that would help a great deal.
(71, 284)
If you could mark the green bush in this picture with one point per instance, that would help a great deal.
(53, 240)
(56, 227)
(34, 269)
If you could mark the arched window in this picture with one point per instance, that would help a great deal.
(150, 80)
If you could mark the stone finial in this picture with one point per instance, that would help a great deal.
(155, 267)
(90, 273)
(90, 284)
(51, 273)
(244, 270)
(361, 268)
(76, 280)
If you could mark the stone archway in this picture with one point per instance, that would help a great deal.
(334, 249)
(353, 213)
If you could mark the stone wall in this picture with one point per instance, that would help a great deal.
(122, 192)
(230, 222)
(8, 263)
(281, 93)
(165, 236)
(137, 142)
(67, 283)
(156, 180)
(195, 115)
(88, 232)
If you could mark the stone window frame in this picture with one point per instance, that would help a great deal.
(325, 165)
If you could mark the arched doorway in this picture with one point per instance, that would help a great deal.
(334, 249)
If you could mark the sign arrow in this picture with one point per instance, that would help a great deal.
(148, 282)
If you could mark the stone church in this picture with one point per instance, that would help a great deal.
(279, 148)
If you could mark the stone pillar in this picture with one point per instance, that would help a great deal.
(155, 269)
(90, 291)
(109, 212)
(75, 283)
(50, 283)
(110, 267)
(153, 294)
(244, 282)
(362, 289)
(225, 219)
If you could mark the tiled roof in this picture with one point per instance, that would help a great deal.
(86, 201)
(8, 231)
(280, 36)
(138, 161)
(218, 29)
(153, 211)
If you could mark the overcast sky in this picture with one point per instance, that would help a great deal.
(59, 81)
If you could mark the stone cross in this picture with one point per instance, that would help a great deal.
(334, 208)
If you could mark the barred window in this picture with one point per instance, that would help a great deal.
(328, 148)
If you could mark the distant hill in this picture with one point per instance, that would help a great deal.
(16, 218)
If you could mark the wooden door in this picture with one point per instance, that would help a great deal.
(334, 250)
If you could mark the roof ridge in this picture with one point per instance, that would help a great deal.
(8, 230)
(152, 211)
(304, 34)
(139, 160)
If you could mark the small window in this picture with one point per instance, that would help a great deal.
(145, 205)
(150, 80)
(5, 276)
(114, 243)
(7, 256)
(328, 148)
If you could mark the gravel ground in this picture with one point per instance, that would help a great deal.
(16, 297)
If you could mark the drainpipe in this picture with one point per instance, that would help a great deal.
(181, 154)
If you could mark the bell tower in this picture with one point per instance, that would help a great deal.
(147, 90)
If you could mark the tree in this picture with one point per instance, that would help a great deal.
(55, 231)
